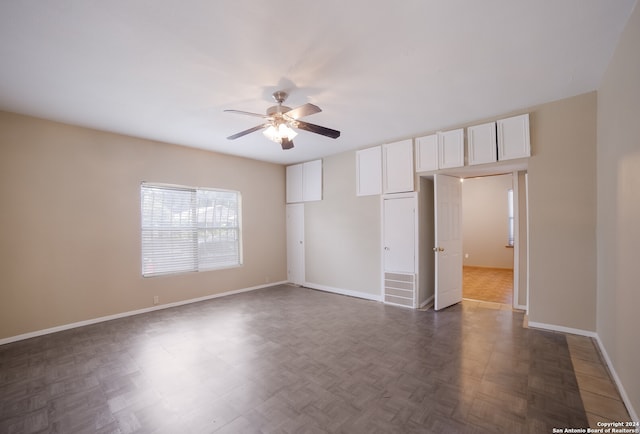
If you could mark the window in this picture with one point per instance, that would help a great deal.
(189, 229)
(510, 235)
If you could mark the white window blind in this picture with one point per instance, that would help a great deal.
(189, 229)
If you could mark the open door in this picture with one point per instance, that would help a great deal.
(448, 241)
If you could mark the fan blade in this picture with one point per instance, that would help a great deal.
(286, 143)
(240, 112)
(302, 111)
(334, 134)
(245, 132)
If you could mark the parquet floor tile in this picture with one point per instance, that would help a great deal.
(294, 360)
(488, 284)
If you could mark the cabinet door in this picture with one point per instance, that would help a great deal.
(369, 171)
(427, 153)
(397, 167)
(312, 180)
(482, 144)
(294, 183)
(451, 149)
(513, 138)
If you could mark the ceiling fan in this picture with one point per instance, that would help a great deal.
(280, 121)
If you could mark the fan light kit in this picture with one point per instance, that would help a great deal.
(281, 120)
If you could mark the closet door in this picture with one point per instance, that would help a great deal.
(399, 251)
(399, 234)
(295, 244)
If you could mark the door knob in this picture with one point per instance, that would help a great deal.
(438, 249)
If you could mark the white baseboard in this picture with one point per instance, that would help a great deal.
(625, 398)
(340, 291)
(557, 328)
(520, 307)
(426, 302)
(129, 313)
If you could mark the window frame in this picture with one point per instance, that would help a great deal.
(510, 218)
(150, 231)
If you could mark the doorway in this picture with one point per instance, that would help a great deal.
(488, 238)
(517, 278)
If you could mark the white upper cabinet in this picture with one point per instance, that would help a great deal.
(513, 138)
(294, 183)
(397, 166)
(440, 151)
(304, 182)
(451, 149)
(312, 181)
(427, 153)
(482, 147)
(369, 171)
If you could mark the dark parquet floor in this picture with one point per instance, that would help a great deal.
(293, 360)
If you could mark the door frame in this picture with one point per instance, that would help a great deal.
(499, 169)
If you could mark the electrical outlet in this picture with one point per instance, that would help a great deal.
(466, 256)
(156, 299)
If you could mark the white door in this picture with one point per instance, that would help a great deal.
(448, 241)
(399, 235)
(295, 243)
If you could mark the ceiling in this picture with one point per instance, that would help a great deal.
(381, 71)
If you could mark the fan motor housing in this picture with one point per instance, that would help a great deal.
(277, 109)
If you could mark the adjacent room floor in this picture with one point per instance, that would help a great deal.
(288, 359)
(488, 284)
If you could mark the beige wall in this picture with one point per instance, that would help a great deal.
(342, 232)
(70, 237)
(619, 210)
(562, 213)
(562, 220)
(485, 221)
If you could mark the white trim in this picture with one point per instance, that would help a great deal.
(515, 187)
(562, 329)
(129, 313)
(426, 302)
(520, 307)
(340, 291)
(526, 199)
(623, 393)
(404, 306)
